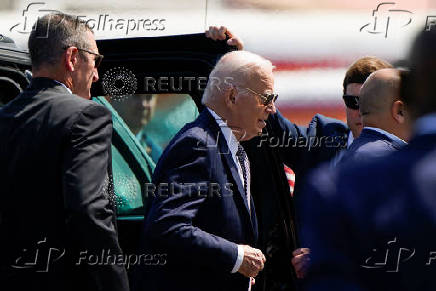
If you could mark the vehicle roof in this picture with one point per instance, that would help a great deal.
(10, 54)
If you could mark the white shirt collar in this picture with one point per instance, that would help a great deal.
(350, 139)
(60, 83)
(231, 140)
(426, 124)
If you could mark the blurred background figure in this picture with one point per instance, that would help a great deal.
(136, 111)
(172, 112)
(155, 118)
(372, 221)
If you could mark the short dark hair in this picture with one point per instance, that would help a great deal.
(422, 77)
(52, 33)
(359, 71)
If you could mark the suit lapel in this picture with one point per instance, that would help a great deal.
(224, 151)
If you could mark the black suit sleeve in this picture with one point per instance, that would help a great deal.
(87, 183)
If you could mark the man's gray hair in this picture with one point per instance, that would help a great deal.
(54, 32)
(234, 68)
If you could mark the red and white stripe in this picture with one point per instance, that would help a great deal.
(290, 175)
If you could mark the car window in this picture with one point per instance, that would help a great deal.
(156, 118)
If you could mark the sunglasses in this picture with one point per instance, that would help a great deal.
(351, 101)
(98, 58)
(266, 98)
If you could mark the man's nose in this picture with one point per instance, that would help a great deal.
(271, 108)
(95, 75)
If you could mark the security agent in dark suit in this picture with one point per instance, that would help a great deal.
(57, 217)
(385, 117)
(303, 149)
(201, 213)
(375, 220)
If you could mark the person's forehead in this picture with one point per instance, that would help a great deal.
(264, 81)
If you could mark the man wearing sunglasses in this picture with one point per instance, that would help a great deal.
(210, 233)
(385, 117)
(355, 76)
(55, 156)
(372, 222)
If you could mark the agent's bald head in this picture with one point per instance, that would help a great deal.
(379, 91)
(381, 104)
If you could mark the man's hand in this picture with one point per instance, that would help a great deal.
(252, 263)
(301, 261)
(221, 33)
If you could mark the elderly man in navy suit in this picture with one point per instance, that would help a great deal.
(202, 214)
(375, 220)
(385, 117)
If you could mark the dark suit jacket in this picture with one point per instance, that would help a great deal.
(372, 143)
(301, 148)
(198, 214)
(356, 213)
(56, 186)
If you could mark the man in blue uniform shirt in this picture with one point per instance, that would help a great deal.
(370, 225)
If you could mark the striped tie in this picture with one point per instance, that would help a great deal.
(245, 166)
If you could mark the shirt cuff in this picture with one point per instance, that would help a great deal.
(239, 259)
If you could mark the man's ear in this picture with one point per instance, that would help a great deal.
(230, 96)
(398, 111)
(71, 56)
